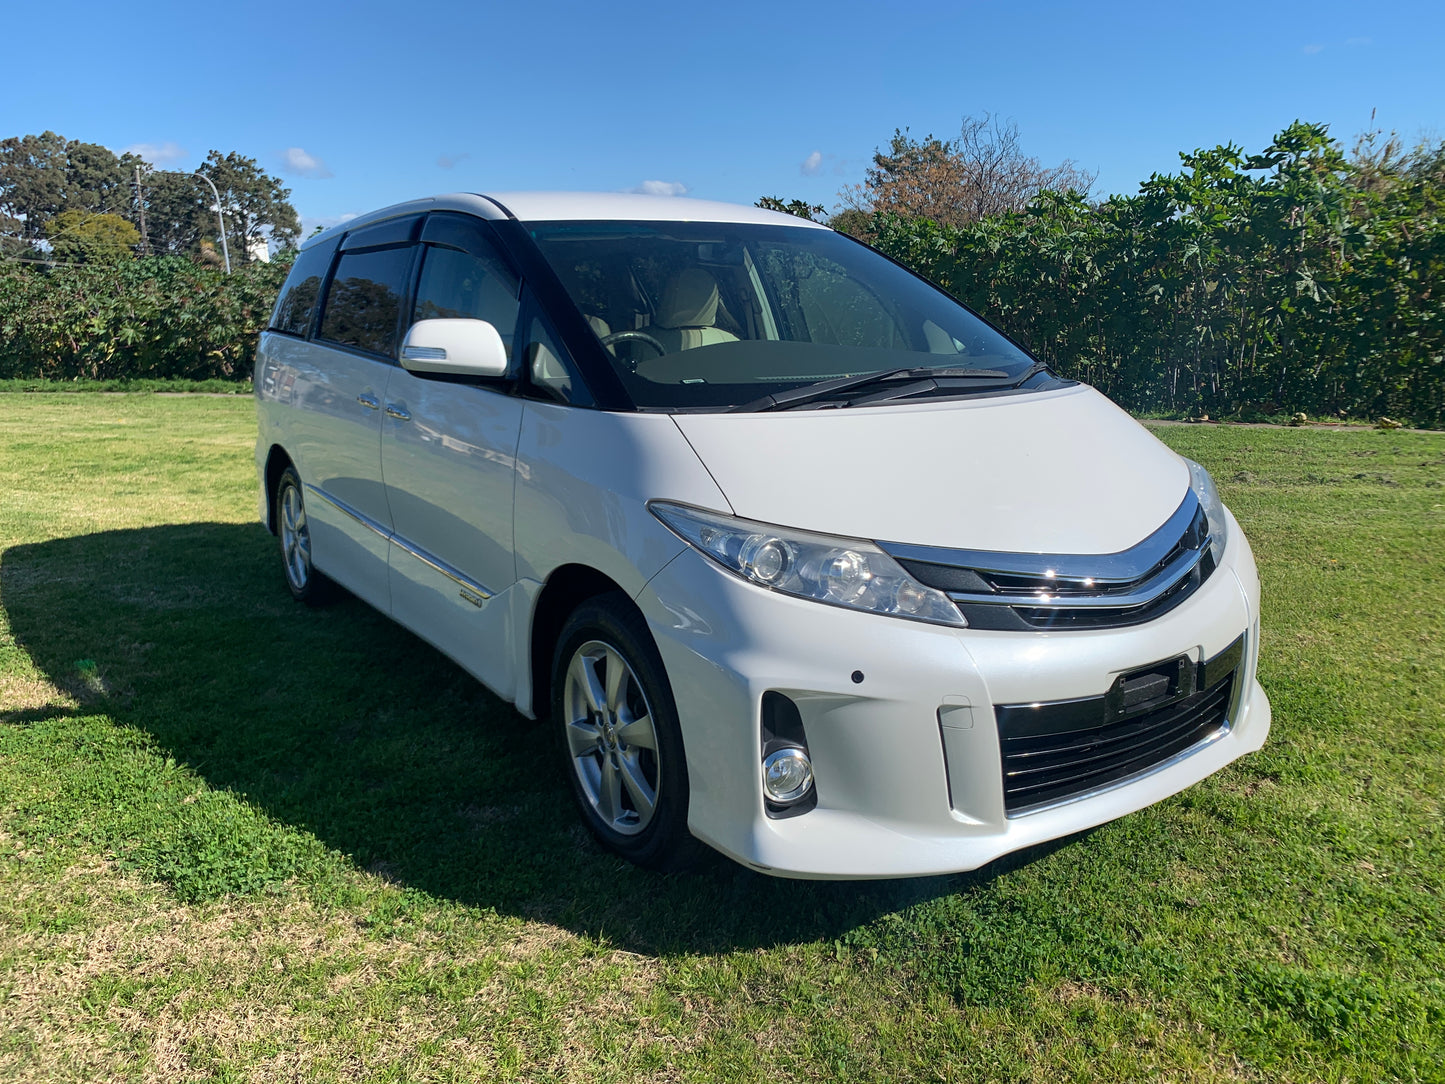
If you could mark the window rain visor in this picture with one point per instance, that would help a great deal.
(696, 315)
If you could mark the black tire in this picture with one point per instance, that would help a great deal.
(657, 838)
(306, 583)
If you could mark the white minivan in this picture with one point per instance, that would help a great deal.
(802, 559)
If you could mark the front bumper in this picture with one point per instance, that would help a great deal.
(884, 804)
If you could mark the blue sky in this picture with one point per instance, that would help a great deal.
(361, 104)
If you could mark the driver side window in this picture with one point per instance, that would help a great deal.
(457, 284)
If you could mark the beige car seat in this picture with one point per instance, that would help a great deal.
(687, 316)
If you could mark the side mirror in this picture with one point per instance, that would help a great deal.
(457, 347)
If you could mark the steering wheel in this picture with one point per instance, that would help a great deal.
(636, 337)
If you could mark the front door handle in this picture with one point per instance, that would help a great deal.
(370, 402)
(397, 412)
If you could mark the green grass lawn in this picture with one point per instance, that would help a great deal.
(241, 839)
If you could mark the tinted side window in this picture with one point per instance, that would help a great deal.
(458, 284)
(302, 290)
(363, 304)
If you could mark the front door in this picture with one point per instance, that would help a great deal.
(448, 458)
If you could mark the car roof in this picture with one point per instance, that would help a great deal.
(627, 206)
(576, 207)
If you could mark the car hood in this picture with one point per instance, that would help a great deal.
(1046, 472)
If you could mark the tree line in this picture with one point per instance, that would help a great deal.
(1301, 278)
(71, 202)
(110, 269)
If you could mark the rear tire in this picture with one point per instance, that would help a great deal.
(616, 725)
(293, 530)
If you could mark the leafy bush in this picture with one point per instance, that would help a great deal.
(158, 317)
(1293, 280)
(1298, 280)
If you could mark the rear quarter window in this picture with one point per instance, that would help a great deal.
(302, 289)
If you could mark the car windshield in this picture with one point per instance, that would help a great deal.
(697, 315)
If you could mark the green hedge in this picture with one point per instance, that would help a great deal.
(156, 317)
(1293, 280)
(1296, 280)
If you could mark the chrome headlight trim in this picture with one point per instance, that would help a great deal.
(849, 572)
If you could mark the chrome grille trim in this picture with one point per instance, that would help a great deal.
(1123, 567)
(1026, 591)
(1140, 594)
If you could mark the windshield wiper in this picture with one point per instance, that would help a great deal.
(943, 383)
(812, 393)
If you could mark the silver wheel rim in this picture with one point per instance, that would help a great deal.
(295, 538)
(611, 739)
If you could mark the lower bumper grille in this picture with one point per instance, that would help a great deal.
(1056, 751)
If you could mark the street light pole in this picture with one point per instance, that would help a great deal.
(220, 218)
(225, 252)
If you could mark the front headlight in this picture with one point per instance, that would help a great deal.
(1208, 495)
(841, 571)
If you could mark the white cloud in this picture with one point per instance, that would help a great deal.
(309, 225)
(451, 161)
(297, 161)
(1311, 50)
(660, 188)
(812, 165)
(158, 154)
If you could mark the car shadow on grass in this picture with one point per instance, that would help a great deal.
(341, 724)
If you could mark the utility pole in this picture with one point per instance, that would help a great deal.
(140, 202)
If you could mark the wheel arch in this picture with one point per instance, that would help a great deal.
(566, 588)
(276, 463)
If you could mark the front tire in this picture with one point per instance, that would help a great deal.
(293, 530)
(613, 711)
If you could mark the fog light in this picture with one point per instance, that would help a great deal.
(787, 775)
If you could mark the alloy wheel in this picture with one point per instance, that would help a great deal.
(611, 738)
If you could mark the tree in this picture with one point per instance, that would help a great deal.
(78, 236)
(41, 176)
(181, 212)
(853, 222)
(982, 172)
(1293, 279)
(256, 204)
(32, 180)
(813, 212)
(97, 180)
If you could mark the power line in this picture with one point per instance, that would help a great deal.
(31, 259)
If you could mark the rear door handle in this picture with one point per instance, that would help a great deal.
(397, 412)
(370, 402)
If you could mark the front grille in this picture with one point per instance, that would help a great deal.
(1114, 617)
(1060, 750)
(1024, 592)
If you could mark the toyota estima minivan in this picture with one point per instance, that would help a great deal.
(800, 558)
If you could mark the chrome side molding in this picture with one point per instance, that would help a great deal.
(471, 590)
